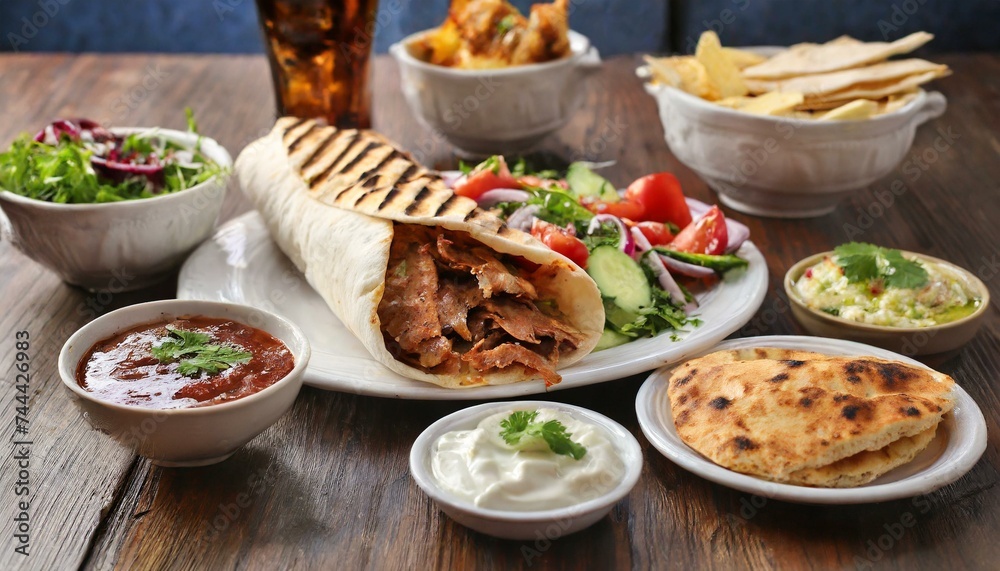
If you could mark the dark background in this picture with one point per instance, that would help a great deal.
(614, 26)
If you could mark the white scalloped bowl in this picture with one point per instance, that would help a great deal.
(783, 167)
(490, 111)
(119, 246)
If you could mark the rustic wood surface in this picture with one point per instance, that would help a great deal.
(328, 486)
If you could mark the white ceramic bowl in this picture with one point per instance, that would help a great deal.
(784, 167)
(508, 110)
(119, 246)
(185, 436)
(548, 524)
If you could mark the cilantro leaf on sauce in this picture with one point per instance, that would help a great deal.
(197, 354)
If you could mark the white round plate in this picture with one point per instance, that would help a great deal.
(241, 264)
(960, 439)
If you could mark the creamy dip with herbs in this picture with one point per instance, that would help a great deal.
(480, 467)
(945, 297)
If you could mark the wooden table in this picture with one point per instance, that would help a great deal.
(328, 486)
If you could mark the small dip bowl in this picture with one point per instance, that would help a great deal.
(909, 341)
(196, 436)
(524, 525)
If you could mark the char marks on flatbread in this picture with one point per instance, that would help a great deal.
(791, 416)
(335, 200)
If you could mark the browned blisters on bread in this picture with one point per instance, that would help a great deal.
(841, 398)
(893, 374)
(806, 402)
(393, 193)
(319, 151)
(686, 378)
(294, 144)
(719, 403)
(369, 146)
(447, 206)
(793, 363)
(683, 417)
(291, 128)
(850, 412)
(911, 411)
(855, 367)
(778, 378)
(853, 379)
(418, 201)
(682, 399)
(761, 353)
(744, 443)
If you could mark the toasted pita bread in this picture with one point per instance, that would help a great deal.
(823, 83)
(865, 466)
(782, 412)
(853, 111)
(722, 72)
(876, 90)
(685, 73)
(743, 59)
(804, 59)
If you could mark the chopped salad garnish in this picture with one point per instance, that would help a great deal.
(77, 161)
(635, 244)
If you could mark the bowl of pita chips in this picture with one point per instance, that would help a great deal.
(813, 420)
(789, 132)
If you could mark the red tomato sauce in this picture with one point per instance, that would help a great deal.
(122, 369)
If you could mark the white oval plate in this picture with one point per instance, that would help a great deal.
(960, 440)
(241, 264)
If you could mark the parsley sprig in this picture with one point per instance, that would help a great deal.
(864, 262)
(522, 424)
(197, 354)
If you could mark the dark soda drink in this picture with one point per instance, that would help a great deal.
(319, 52)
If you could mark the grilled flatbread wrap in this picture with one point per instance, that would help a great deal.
(805, 418)
(436, 289)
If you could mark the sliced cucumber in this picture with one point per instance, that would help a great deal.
(620, 278)
(616, 317)
(611, 338)
(585, 182)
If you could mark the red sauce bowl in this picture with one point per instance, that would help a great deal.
(196, 436)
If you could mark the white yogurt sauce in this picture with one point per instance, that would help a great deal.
(480, 467)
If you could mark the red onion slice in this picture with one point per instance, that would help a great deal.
(663, 276)
(491, 197)
(625, 241)
(686, 269)
(451, 178)
(522, 218)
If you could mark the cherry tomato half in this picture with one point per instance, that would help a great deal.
(661, 198)
(621, 209)
(560, 240)
(706, 235)
(656, 232)
(488, 175)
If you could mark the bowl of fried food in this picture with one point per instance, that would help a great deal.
(789, 132)
(491, 80)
